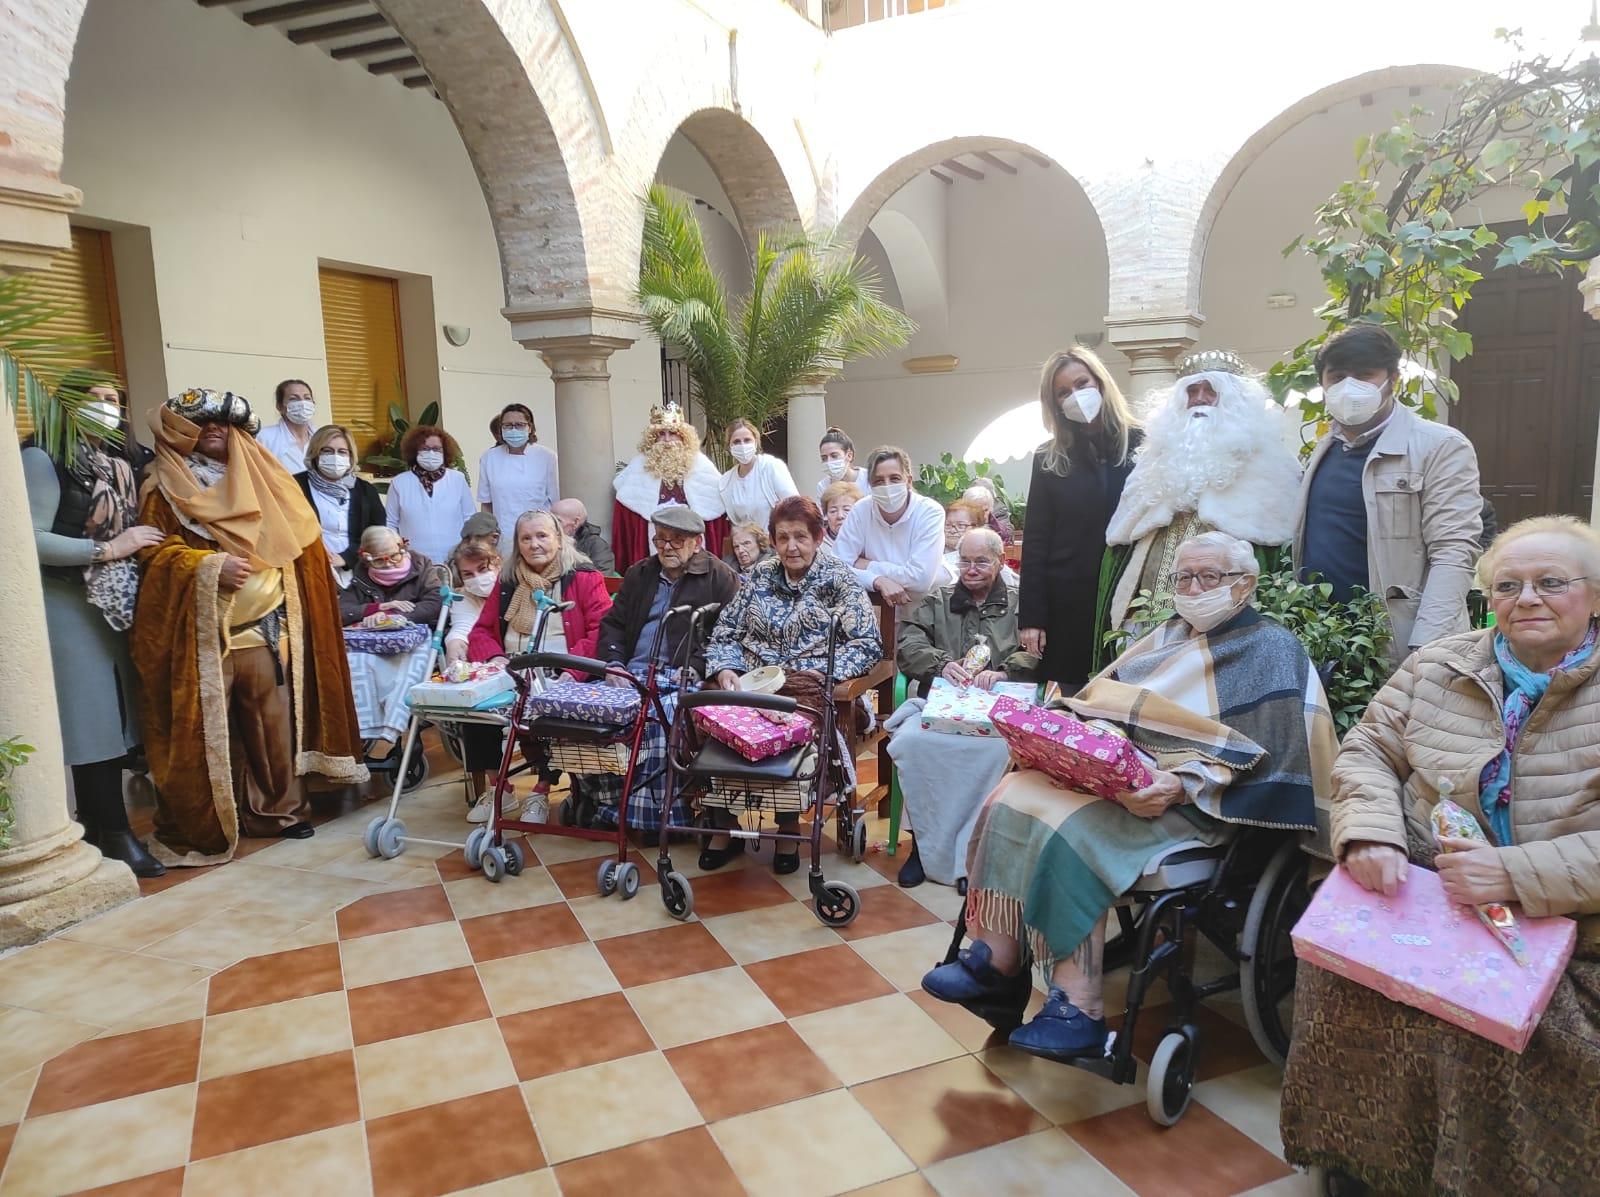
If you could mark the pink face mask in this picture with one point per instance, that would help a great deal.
(389, 575)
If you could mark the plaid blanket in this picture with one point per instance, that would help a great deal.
(649, 782)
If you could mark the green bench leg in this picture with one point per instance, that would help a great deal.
(896, 798)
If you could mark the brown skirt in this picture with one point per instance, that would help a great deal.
(1411, 1104)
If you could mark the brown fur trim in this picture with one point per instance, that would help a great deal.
(334, 768)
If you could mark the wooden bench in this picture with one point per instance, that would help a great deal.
(852, 722)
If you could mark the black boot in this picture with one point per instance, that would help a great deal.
(911, 873)
(105, 818)
(125, 846)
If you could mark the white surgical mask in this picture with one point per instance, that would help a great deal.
(514, 437)
(1081, 405)
(332, 464)
(836, 466)
(430, 459)
(479, 585)
(743, 453)
(1353, 401)
(299, 411)
(1207, 609)
(891, 497)
(101, 414)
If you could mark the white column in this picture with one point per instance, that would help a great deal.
(580, 367)
(1153, 345)
(808, 420)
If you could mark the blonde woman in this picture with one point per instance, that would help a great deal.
(1077, 482)
(757, 480)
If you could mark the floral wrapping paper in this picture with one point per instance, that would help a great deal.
(484, 683)
(386, 642)
(964, 710)
(1423, 950)
(754, 735)
(588, 702)
(1090, 760)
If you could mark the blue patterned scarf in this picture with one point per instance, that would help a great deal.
(1524, 688)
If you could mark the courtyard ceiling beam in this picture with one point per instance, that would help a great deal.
(333, 29)
(362, 49)
(416, 81)
(997, 162)
(393, 66)
(1037, 159)
(961, 168)
(941, 176)
(294, 10)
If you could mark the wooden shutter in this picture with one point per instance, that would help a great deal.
(366, 367)
(81, 288)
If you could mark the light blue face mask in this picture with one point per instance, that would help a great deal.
(514, 437)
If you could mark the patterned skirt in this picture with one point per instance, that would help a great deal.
(1410, 1104)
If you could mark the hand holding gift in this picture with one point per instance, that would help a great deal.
(1476, 877)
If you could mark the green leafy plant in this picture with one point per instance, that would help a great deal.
(811, 304)
(1347, 642)
(947, 480)
(33, 364)
(383, 460)
(1402, 243)
(13, 755)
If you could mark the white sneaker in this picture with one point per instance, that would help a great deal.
(536, 809)
(509, 809)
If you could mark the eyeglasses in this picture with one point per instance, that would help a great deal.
(1210, 579)
(671, 542)
(394, 558)
(1543, 587)
(970, 563)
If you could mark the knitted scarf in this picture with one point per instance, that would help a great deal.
(524, 609)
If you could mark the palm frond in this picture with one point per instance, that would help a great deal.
(35, 365)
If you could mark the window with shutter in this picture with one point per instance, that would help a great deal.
(80, 288)
(366, 366)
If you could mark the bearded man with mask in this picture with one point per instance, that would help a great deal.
(1390, 502)
(669, 468)
(1215, 458)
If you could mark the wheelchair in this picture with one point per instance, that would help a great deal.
(1243, 896)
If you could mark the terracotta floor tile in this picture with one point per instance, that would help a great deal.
(332, 1162)
(411, 952)
(573, 1035)
(875, 1038)
(822, 1144)
(394, 912)
(686, 1162)
(7, 1133)
(150, 886)
(702, 1006)
(263, 1036)
(577, 878)
(751, 1070)
(420, 1153)
(884, 909)
(818, 980)
(102, 1144)
(277, 977)
(1225, 1046)
(432, 1068)
(453, 867)
(909, 1185)
(610, 1105)
(647, 956)
(493, 936)
(118, 1066)
(948, 1109)
(965, 1027)
(552, 977)
(740, 890)
(1214, 1159)
(416, 1004)
(1045, 1162)
(904, 957)
(158, 1184)
(282, 1102)
(771, 931)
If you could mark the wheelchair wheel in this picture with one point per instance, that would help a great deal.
(391, 839)
(369, 839)
(858, 839)
(476, 839)
(515, 860)
(416, 768)
(627, 879)
(493, 863)
(677, 895)
(605, 878)
(1266, 977)
(838, 904)
(1169, 1086)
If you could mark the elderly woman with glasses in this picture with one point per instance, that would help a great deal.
(1231, 721)
(944, 777)
(1391, 1097)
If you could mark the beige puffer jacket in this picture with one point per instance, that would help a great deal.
(1439, 717)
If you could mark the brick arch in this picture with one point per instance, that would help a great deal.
(746, 166)
(1243, 157)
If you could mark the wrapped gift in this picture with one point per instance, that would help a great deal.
(589, 702)
(1093, 759)
(386, 642)
(964, 710)
(482, 684)
(754, 734)
(1424, 950)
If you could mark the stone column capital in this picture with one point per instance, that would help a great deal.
(573, 359)
(33, 219)
(816, 379)
(1142, 336)
(577, 326)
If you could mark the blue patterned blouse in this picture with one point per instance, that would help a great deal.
(774, 622)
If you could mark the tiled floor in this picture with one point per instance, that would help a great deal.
(308, 1021)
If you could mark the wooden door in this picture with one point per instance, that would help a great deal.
(1530, 393)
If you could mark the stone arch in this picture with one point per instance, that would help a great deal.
(1241, 159)
(747, 168)
(917, 277)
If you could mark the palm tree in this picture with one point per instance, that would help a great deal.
(810, 301)
(32, 365)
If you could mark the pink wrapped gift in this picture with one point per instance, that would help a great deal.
(754, 735)
(964, 710)
(1090, 760)
(1424, 950)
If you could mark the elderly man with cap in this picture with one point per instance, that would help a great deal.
(591, 542)
(680, 573)
(236, 638)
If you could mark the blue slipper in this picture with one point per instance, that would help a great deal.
(971, 980)
(1061, 1032)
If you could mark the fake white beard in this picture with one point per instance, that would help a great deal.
(669, 461)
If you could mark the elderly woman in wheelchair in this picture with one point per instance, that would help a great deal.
(1230, 717)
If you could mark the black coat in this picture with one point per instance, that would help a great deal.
(705, 580)
(1062, 547)
(366, 511)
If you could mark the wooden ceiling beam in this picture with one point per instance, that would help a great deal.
(997, 162)
(322, 33)
(393, 66)
(215, 3)
(362, 49)
(941, 176)
(294, 10)
(416, 81)
(961, 168)
(1037, 159)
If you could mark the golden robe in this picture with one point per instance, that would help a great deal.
(178, 642)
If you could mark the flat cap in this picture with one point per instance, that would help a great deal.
(679, 518)
(480, 523)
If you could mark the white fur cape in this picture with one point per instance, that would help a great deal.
(1259, 505)
(640, 491)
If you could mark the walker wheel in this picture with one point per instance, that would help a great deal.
(677, 895)
(515, 860)
(494, 863)
(858, 839)
(1170, 1083)
(605, 878)
(391, 839)
(369, 839)
(476, 839)
(838, 904)
(628, 879)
